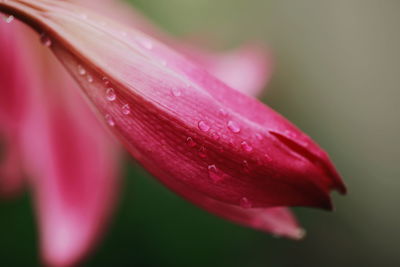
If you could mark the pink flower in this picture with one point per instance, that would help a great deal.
(218, 148)
(52, 134)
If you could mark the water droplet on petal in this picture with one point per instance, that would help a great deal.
(203, 126)
(215, 174)
(81, 70)
(110, 94)
(259, 136)
(267, 157)
(146, 43)
(110, 121)
(106, 81)
(9, 19)
(246, 167)
(245, 203)
(202, 152)
(176, 91)
(215, 136)
(126, 109)
(233, 127)
(190, 142)
(45, 40)
(222, 112)
(232, 141)
(89, 78)
(246, 147)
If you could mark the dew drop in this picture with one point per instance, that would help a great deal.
(110, 94)
(89, 78)
(146, 43)
(215, 174)
(190, 142)
(110, 121)
(81, 70)
(215, 136)
(267, 157)
(259, 136)
(203, 126)
(222, 112)
(126, 109)
(202, 152)
(245, 203)
(105, 80)
(232, 141)
(246, 147)
(246, 167)
(45, 40)
(233, 127)
(9, 19)
(176, 91)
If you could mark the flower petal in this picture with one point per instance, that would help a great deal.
(262, 157)
(11, 179)
(279, 221)
(12, 106)
(70, 160)
(247, 68)
(73, 165)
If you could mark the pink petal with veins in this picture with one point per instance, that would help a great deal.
(262, 156)
(247, 68)
(191, 131)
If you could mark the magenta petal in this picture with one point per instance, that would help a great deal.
(70, 160)
(194, 133)
(11, 179)
(279, 221)
(12, 106)
(74, 171)
(247, 68)
(261, 156)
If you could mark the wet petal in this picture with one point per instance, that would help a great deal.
(191, 131)
(247, 68)
(73, 164)
(262, 156)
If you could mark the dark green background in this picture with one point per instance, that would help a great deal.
(337, 77)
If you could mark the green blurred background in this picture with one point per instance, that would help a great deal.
(337, 77)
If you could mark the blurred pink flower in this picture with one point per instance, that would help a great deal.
(215, 146)
(53, 137)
